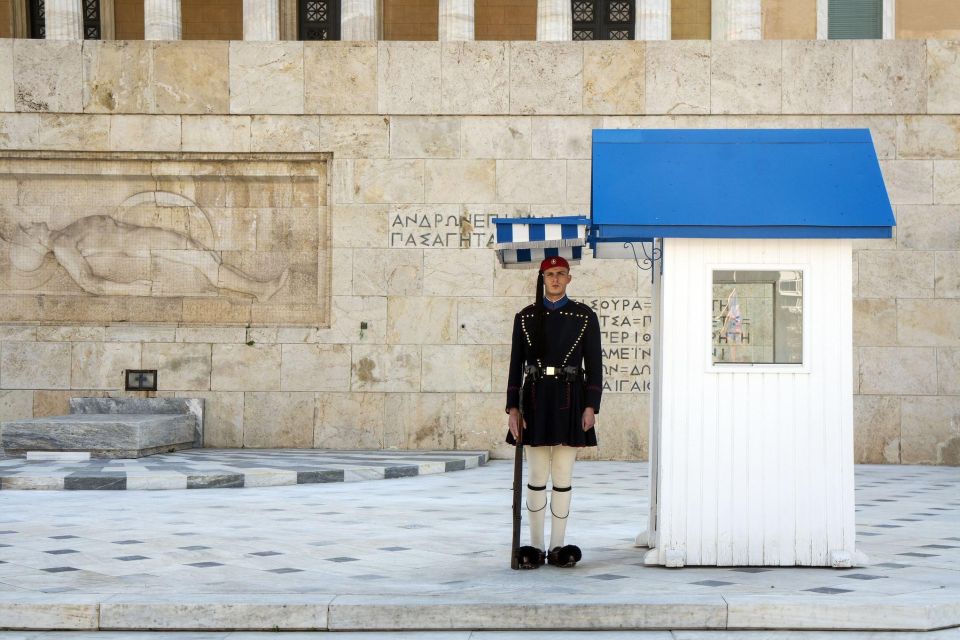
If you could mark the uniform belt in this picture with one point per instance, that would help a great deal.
(567, 374)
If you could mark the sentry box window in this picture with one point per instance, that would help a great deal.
(757, 317)
(141, 380)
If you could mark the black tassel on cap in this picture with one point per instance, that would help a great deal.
(538, 316)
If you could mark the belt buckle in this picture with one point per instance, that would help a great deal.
(549, 371)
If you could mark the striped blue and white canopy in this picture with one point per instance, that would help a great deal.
(525, 242)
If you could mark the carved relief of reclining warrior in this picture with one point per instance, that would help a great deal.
(104, 236)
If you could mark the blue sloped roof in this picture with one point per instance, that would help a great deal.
(737, 183)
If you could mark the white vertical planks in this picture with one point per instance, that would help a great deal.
(754, 467)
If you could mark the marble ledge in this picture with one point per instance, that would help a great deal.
(433, 612)
(249, 612)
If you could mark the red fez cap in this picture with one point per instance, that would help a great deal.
(553, 263)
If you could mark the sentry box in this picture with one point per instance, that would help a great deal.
(748, 235)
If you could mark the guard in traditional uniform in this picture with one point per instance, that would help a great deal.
(555, 383)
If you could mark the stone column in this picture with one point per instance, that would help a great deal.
(736, 20)
(653, 20)
(554, 20)
(261, 20)
(823, 19)
(359, 20)
(889, 20)
(161, 20)
(456, 20)
(64, 19)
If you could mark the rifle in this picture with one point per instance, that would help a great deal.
(517, 493)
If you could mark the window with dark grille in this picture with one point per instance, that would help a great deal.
(37, 19)
(91, 19)
(855, 19)
(319, 19)
(603, 19)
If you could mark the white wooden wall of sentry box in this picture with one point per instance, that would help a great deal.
(750, 464)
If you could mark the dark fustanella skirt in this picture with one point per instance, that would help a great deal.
(553, 413)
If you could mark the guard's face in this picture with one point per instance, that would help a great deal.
(555, 281)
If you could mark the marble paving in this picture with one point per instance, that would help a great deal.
(443, 536)
(231, 469)
(945, 634)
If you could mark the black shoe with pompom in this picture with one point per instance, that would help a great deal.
(564, 557)
(530, 557)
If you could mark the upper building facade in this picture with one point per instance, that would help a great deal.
(482, 19)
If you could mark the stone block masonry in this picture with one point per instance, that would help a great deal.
(424, 142)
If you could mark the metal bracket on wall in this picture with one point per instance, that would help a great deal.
(650, 258)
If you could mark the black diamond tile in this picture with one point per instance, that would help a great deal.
(608, 576)
(128, 542)
(6, 532)
(204, 565)
(318, 477)
(104, 482)
(939, 546)
(195, 547)
(888, 526)
(862, 576)
(342, 559)
(60, 552)
(867, 533)
(285, 570)
(712, 583)
(266, 553)
(64, 537)
(892, 565)
(394, 549)
(406, 471)
(129, 558)
(914, 554)
(751, 570)
(829, 590)
(60, 569)
(369, 576)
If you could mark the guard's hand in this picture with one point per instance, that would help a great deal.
(514, 423)
(589, 419)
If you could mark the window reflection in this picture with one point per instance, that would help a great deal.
(757, 317)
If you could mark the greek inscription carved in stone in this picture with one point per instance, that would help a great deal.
(442, 230)
(626, 326)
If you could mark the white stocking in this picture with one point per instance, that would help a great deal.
(561, 470)
(538, 461)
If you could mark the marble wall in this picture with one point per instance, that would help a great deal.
(427, 141)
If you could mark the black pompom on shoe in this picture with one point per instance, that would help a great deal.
(530, 557)
(564, 557)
